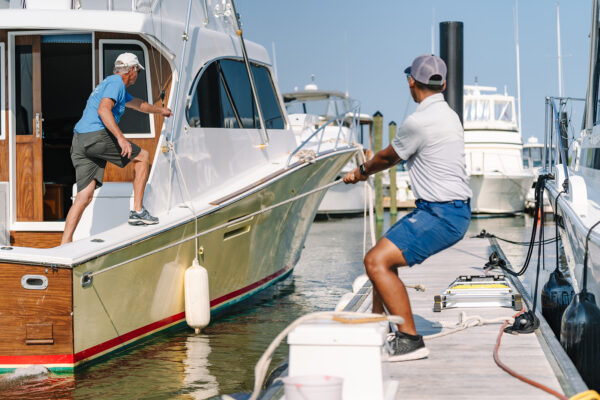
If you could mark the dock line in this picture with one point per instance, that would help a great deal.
(86, 278)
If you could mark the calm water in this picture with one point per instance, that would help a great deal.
(182, 365)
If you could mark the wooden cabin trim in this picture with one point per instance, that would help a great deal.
(36, 322)
(41, 240)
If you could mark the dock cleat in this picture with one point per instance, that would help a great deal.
(141, 218)
(403, 347)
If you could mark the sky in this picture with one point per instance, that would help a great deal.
(364, 46)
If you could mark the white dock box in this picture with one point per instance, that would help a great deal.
(351, 351)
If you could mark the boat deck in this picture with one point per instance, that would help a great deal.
(461, 365)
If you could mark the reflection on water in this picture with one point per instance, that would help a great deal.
(182, 365)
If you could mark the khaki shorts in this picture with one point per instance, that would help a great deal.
(90, 152)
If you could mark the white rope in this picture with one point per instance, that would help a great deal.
(465, 322)
(262, 366)
(215, 228)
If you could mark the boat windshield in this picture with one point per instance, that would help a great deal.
(488, 110)
(325, 108)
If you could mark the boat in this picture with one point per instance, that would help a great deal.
(222, 168)
(574, 161)
(493, 147)
(309, 110)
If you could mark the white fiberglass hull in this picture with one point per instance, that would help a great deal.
(497, 193)
(573, 229)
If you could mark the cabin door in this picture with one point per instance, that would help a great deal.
(28, 125)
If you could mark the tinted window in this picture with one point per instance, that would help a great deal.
(210, 106)
(269, 105)
(24, 89)
(223, 98)
(131, 121)
(236, 79)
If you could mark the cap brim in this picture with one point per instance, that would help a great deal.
(141, 66)
(407, 70)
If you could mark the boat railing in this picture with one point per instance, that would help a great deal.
(556, 138)
(352, 115)
(144, 6)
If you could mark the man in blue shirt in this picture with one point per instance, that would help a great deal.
(98, 139)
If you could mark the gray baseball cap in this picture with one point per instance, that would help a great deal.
(425, 67)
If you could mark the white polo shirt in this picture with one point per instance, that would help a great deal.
(432, 142)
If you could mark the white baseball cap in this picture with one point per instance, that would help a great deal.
(428, 69)
(127, 60)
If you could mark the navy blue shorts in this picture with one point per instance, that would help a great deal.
(430, 228)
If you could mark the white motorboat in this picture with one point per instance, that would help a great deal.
(221, 169)
(311, 109)
(575, 165)
(493, 147)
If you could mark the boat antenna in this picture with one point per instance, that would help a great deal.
(560, 82)
(516, 12)
(239, 33)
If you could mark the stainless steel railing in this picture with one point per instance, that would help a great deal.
(556, 135)
(340, 119)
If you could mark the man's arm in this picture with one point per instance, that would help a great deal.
(382, 160)
(145, 107)
(108, 119)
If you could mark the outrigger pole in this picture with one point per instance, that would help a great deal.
(263, 130)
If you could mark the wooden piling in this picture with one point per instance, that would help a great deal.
(392, 172)
(378, 143)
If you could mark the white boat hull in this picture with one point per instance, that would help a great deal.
(573, 232)
(344, 199)
(497, 193)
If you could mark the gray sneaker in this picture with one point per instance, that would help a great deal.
(142, 218)
(402, 347)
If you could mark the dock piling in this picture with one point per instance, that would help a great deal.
(392, 172)
(378, 133)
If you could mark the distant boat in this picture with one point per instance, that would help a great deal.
(493, 152)
(309, 110)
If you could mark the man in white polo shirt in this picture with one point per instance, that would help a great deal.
(431, 140)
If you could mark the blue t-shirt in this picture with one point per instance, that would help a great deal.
(111, 87)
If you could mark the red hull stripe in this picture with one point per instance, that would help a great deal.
(127, 337)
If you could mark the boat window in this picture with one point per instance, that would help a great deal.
(503, 111)
(132, 123)
(477, 110)
(223, 98)
(210, 106)
(24, 89)
(591, 158)
(269, 104)
(2, 95)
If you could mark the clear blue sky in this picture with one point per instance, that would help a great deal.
(365, 45)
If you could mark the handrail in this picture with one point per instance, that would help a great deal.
(355, 110)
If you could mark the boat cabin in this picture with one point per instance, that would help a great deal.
(488, 111)
(47, 76)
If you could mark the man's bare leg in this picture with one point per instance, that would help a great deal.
(82, 200)
(141, 169)
(381, 264)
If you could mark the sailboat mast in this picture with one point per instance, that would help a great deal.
(518, 63)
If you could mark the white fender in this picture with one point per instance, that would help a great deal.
(359, 282)
(197, 299)
(578, 194)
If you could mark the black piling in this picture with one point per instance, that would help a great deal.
(451, 51)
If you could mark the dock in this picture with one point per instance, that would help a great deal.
(461, 365)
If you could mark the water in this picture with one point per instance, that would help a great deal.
(182, 365)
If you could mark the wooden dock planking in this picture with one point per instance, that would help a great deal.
(461, 365)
